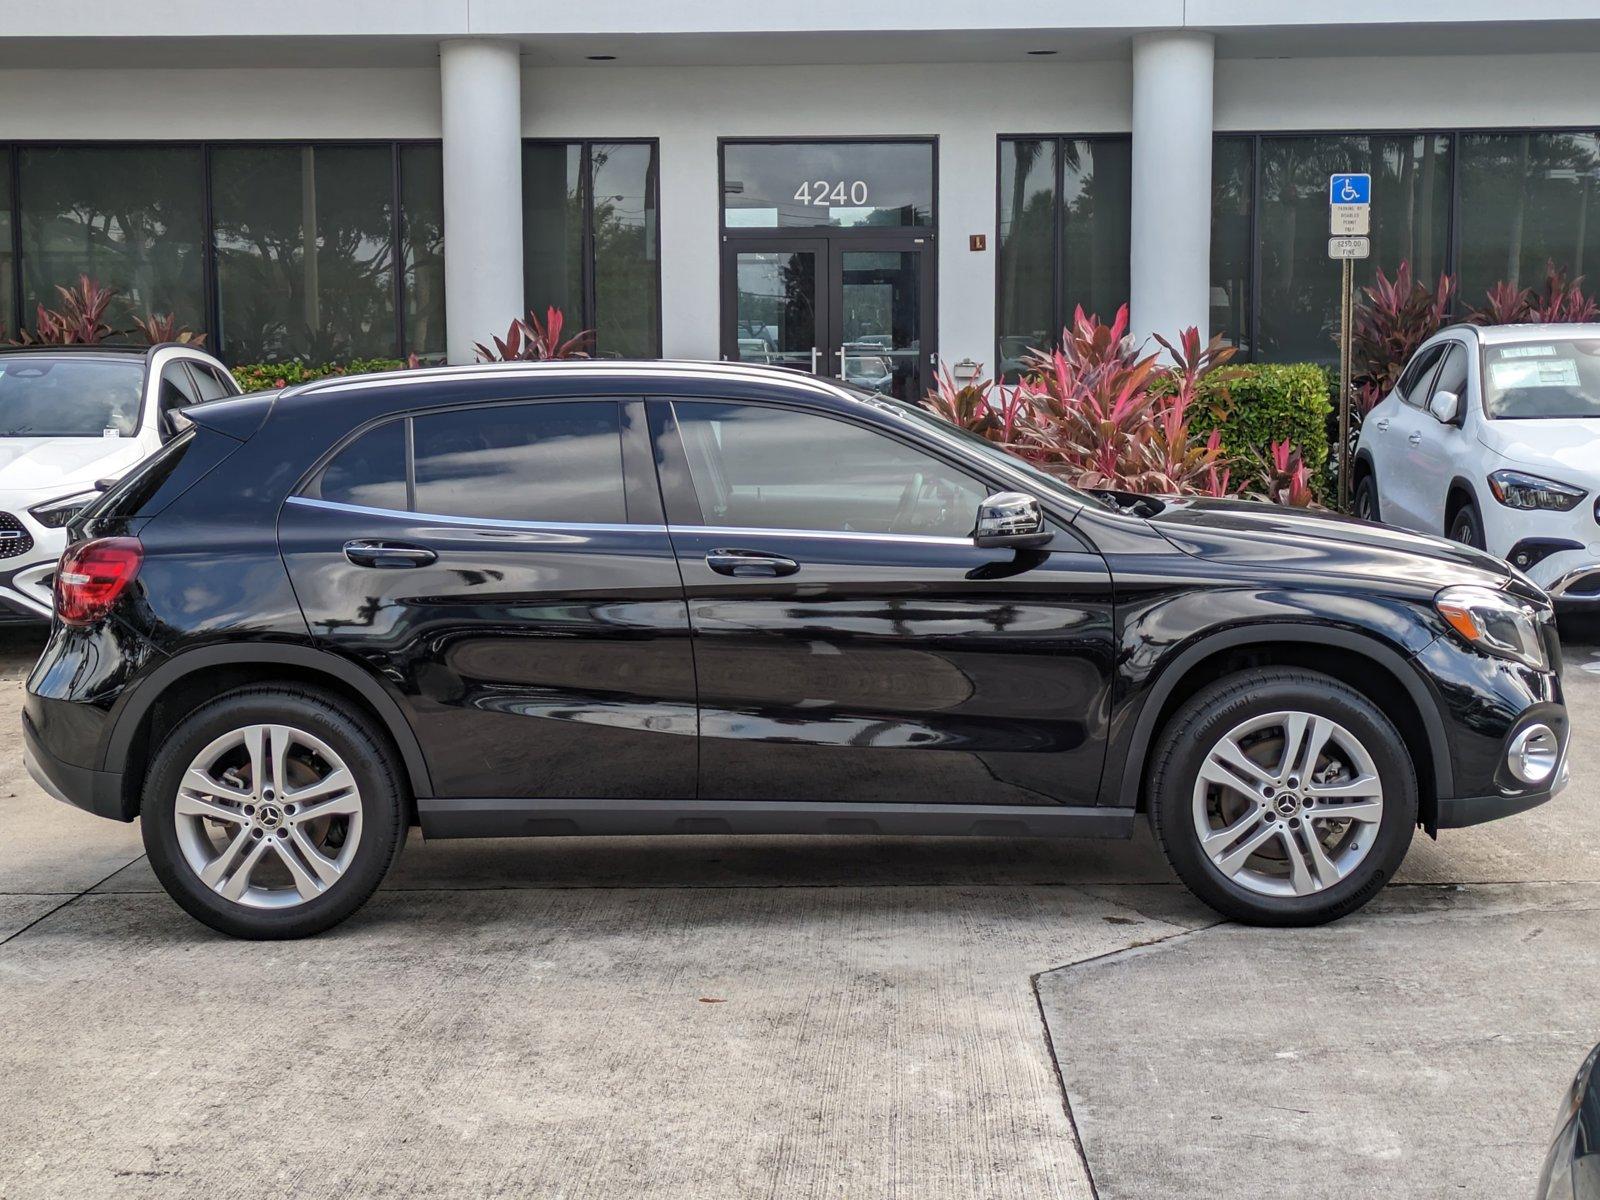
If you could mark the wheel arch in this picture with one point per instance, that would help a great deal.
(1396, 688)
(1457, 496)
(174, 688)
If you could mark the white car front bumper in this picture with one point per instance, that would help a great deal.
(28, 556)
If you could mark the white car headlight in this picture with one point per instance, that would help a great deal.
(57, 514)
(1495, 623)
(1517, 489)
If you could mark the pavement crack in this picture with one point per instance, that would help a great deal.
(72, 898)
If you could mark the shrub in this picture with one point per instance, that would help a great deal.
(1263, 403)
(530, 340)
(1558, 300)
(80, 321)
(1391, 320)
(260, 377)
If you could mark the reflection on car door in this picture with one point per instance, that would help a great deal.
(851, 643)
(501, 570)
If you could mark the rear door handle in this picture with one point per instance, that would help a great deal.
(750, 563)
(1383, 425)
(1416, 438)
(388, 556)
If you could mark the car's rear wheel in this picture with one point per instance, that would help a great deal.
(1466, 526)
(271, 812)
(1282, 797)
(1365, 504)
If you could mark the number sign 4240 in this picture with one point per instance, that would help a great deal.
(824, 193)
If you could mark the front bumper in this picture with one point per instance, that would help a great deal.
(26, 578)
(1461, 811)
(98, 792)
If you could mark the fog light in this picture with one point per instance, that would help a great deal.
(1534, 754)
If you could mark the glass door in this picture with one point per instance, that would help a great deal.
(775, 304)
(852, 307)
(880, 297)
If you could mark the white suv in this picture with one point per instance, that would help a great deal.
(1492, 437)
(72, 418)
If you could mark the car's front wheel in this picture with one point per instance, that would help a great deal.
(272, 812)
(1466, 527)
(1282, 797)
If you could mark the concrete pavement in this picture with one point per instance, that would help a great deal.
(792, 1017)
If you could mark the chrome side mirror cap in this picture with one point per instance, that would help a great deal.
(1445, 407)
(1010, 519)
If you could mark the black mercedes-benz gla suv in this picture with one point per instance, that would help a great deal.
(680, 598)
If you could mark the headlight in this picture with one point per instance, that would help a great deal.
(1517, 490)
(1495, 623)
(58, 513)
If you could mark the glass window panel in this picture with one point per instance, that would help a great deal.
(552, 230)
(422, 248)
(1096, 204)
(370, 471)
(1026, 250)
(1527, 199)
(626, 299)
(1232, 187)
(130, 218)
(304, 251)
(1410, 221)
(8, 266)
(773, 468)
(523, 462)
(827, 183)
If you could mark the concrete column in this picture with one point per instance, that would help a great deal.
(481, 87)
(1170, 265)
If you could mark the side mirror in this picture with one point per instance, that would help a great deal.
(1445, 407)
(1010, 519)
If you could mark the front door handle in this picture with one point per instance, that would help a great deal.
(750, 563)
(388, 556)
(1416, 438)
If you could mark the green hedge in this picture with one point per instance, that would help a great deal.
(258, 377)
(1270, 402)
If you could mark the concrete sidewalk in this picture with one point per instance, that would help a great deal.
(791, 1017)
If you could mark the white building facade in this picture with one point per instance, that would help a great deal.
(860, 189)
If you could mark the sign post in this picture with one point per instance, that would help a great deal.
(1349, 223)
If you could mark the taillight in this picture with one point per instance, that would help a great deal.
(92, 575)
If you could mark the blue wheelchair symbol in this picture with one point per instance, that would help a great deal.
(1350, 189)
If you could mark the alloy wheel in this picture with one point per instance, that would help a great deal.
(268, 816)
(1287, 804)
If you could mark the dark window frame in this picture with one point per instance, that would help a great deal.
(1058, 270)
(587, 272)
(211, 318)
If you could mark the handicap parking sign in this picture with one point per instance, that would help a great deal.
(1349, 188)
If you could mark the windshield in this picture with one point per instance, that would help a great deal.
(45, 396)
(1533, 380)
(982, 447)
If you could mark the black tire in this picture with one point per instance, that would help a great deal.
(1205, 719)
(1466, 526)
(350, 735)
(1365, 505)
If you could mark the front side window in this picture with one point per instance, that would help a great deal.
(1413, 380)
(1452, 376)
(46, 396)
(557, 461)
(1542, 380)
(755, 467)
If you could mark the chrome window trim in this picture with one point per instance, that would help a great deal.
(735, 531)
(490, 522)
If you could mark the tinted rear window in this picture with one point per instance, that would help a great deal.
(370, 471)
(550, 461)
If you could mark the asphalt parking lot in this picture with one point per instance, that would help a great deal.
(795, 1017)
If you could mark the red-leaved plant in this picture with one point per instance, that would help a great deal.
(158, 328)
(980, 406)
(80, 321)
(531, 340)
(1557, 300)
(1393, 318)
(1286, 477)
